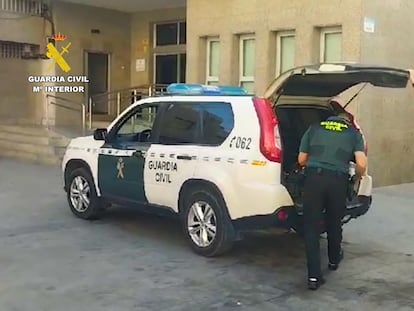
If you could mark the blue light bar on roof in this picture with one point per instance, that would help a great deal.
(200, 89)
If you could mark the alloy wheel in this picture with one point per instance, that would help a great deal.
(202, 224)
(80, 194)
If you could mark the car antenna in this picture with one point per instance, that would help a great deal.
(356, 94)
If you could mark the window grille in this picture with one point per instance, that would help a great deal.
(17, 50)
(29, 7)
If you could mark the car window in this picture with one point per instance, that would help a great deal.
(218, 122)
(181, 124)
(138, 126)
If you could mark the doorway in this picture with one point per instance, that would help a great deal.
(98, 75)
(170, 68)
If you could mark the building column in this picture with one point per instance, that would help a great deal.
(45, 111)
(307, 45)
(265, 64)
(229, 59)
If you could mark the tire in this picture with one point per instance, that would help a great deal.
(83, 210)
(215, 215)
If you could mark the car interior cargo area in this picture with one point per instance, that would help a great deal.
(294, 120)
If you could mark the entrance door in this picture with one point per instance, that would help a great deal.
(170, 68)
(98, 67)
(121, 162)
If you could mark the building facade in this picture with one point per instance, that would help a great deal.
(231, 42)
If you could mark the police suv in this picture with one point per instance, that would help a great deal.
(223, 160)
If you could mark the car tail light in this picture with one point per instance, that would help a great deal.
(270, 144)
(282, 215)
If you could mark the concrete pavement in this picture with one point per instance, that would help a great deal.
(50, 260)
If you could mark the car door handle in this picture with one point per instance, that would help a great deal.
(137, 153)
(184, 157)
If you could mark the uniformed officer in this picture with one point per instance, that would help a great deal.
(326, 150)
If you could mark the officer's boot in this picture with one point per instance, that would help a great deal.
(335, 266)
(315, 283)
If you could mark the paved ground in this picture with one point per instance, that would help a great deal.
(51, 261)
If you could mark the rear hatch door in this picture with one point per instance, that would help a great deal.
(322, 82)
(329, 80)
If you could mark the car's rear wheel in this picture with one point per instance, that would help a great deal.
(81, 195)
(206, 223)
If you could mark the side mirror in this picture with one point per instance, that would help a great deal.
(100, 134)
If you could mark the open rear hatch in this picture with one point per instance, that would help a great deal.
(301, 96)
(328, 80)
(310, 89)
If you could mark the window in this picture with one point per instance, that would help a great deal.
(285, 51)
(180, 124)
(138, 126)
(218, 122)
(331, 45)
(213, 61)
(192, 123)
(170, 33)
(170, 68)
(247, 62)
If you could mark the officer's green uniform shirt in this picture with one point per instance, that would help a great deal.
(331, 145)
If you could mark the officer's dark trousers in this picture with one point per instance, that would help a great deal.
(323, 189)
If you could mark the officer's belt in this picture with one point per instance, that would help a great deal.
(324, 171)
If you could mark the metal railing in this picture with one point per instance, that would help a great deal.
(114, 102)
(70, 105)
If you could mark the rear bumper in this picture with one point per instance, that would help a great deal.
(290, 218)
(355, 209)
(279, 219)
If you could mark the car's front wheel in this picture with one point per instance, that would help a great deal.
(207, 226)
(81, 195)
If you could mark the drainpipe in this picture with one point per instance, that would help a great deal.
(118, 103)
(83, 119)
(90, 113)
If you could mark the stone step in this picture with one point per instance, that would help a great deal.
(27, 130)
(59, 141)
(31, 157)
(20, 121)
(27, 147)
(34, 135)
(32, 143)
(24, 138)
(27, 121)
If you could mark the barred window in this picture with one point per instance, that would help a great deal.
(31, 7)
(18, 50)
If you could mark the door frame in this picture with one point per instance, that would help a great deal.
(112, 144)
(86, 73)
(154, 64)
